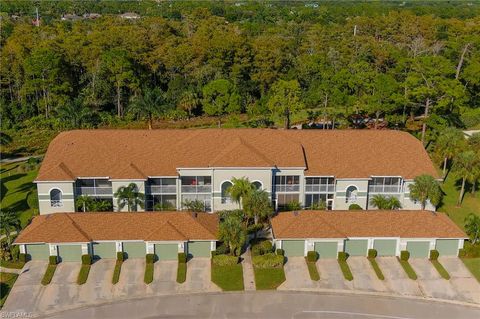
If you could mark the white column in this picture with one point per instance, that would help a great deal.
(213, 245)
(22, 249)
(181, 247)
(150, 248)
(53, 250)
(118, 246)
(85, 249)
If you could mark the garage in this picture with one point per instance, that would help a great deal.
(198, 249)
(385, 247)
(293, 248)
(166, 251)
(356, 247)
(326, 249)
(104, 250)
(69, 252)
(418, 249)
(134, 249)
(447, 247)
(37, 252)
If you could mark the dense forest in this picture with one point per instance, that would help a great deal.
(403, 65)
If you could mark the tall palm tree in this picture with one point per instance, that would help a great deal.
(232, 233)
(450, 142)
(472, 227)
(385, 202)
(257, 205)
(129, 196)
(465, 166)
(9, 221)
(149, 105)
(240, 188)
(425, 188)
(84, 202)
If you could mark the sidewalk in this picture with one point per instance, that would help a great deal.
(248, 275)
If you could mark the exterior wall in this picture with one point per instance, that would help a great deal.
(44, 205)
(408, 203)
(310, 243)
(287, 172)
(117, 184)
(341, 186)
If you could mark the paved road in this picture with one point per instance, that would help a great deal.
(274, 305)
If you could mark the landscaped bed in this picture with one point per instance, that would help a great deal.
(438, 266)
(342, 262)
(403, 260)
(149, 267)
(228, 278)
(49, 272)
(83, 274)
(372, 254)
(182, 268)
(12, 264)
(6, 283)
(311, 261)
(118, 267)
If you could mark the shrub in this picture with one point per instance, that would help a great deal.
(253, 229)
(342, 256)
(312, 256)
(214, 253)
(471, 117)
(53, 260)
(404, 255)
(294, 205)
(86, 259)
(355, 207)
(182, 258)
(434, 254)
(462, 253)
(261, 247)
(280, 252)
(22, 258)
(150, 258)
(372, 253)
(181, 272)
(120, 256)
(224, 260)
(222, 249)
(269, 260)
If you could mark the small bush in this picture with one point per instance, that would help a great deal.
(434, 254)
(53, 260)
(224, 260)
(182, 258)
(312, 256)
(261, 247)
(222, 249)
(404, 255)
(214, 253)
(120, 256)
(342, 256)
(150, 258)
(86, 259)
(181, 272)
(280, 252)
(22, 258)
(269, 260)
(372, 253)
(462, 253)
(294, 205)
(355, 207)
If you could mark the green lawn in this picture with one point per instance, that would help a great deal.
(12, 264)
(376, 268)
(83, 274)
(229, 278)
(347, 273)
(49, 272)
(473, 264)
(441, 270)
(182, 273)
(312, 270)
(15, 186)
(408, 269)
(148, 276)
(268, 278)
(6, 283)
(116, 272)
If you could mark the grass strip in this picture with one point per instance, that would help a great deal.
(312, 270)
(268, 278)
(441, 270)
(347, 273)
(228, 278)
(47, 277)
(376, 268)
(116, 272)
(148, 277)
(6, 283)
(181, 273)
(408, 269)
(473, 264)
(11, 264)
(83, 274)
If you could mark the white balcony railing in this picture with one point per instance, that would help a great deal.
(227, 200)
(56, 203)
(95, 191)
(161, 189)
(287, 188)
(319, 188)
(384, 189)
(197, 189)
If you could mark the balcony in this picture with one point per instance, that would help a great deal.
(161, 189)
(319, 188)
(196, 188)
(287, 188)
(373, 189)
(94, 191)
(56, 203)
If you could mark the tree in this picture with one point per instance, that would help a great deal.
(148, 105)
(5, 139)
(84, 202)
(74, 112)
(129, 196)
(425, 188)
(101, 206)
(9, 220)
(240, 188)
(194, 205)
(188, 102)
(285, 99)
(220, 97)
(257, 205)
(385, 202)
(472, 227)
(232, 232)
(465, 165)
(449, 143)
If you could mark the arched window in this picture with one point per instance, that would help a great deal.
(257, 185)
(225, 195)
(351, 194)
(56, 198)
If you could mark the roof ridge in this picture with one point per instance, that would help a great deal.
(65, 168)
(135, 167)
(165, 223)
(332, 226)
(202, 225)
(78, 227)
(236, 141)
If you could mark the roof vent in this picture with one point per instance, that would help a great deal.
(295, 213)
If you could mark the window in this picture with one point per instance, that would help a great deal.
(319, 199)
(94, 187)
(319, 185)
(287, 183)
(257, 185)
(284, 199)
(160, 202)
(162, 186)
(196, 184)
(225, 195)
(56, 198)
(385, 185)
(351, 196)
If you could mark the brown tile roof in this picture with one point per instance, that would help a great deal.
(130, 154)
(151, 226)
(375, 223)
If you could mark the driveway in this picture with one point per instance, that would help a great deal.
(430, 282)
(296, 275)
(364, 277)
(98, 287)
(165, 277)
(462, 281)
(131, 282)
(331, 277)
(396, 280)
(199, 277)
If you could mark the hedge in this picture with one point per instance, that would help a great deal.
(269, 260)
(462, 253)
(224, 260)
(372, 253)
(312, 256)
(49, 272)
(182, 258)
(261, 247)
(116, 271)
(342, 256)
(83, 274)
(434, 254)
(120, 256)
(355, 207)
(86, 259)
(181, 272)
(280, 252)
(404, 255)
(148, 277)
(150, 258)
(52, 260)
(22, 258)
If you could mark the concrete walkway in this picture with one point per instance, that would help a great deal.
(18, 159)
(248, 275)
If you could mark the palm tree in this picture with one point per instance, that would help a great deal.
(425, 188)
(150, 104)
(9, 220)
(101, 206)
(74, 112)
(232, 233)
(385, 202)
(465, 166)
(472, 227)
(240, 188)
(129, 196)
(450, 142)
(84, 202)
(188, 102)
(257, 205)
